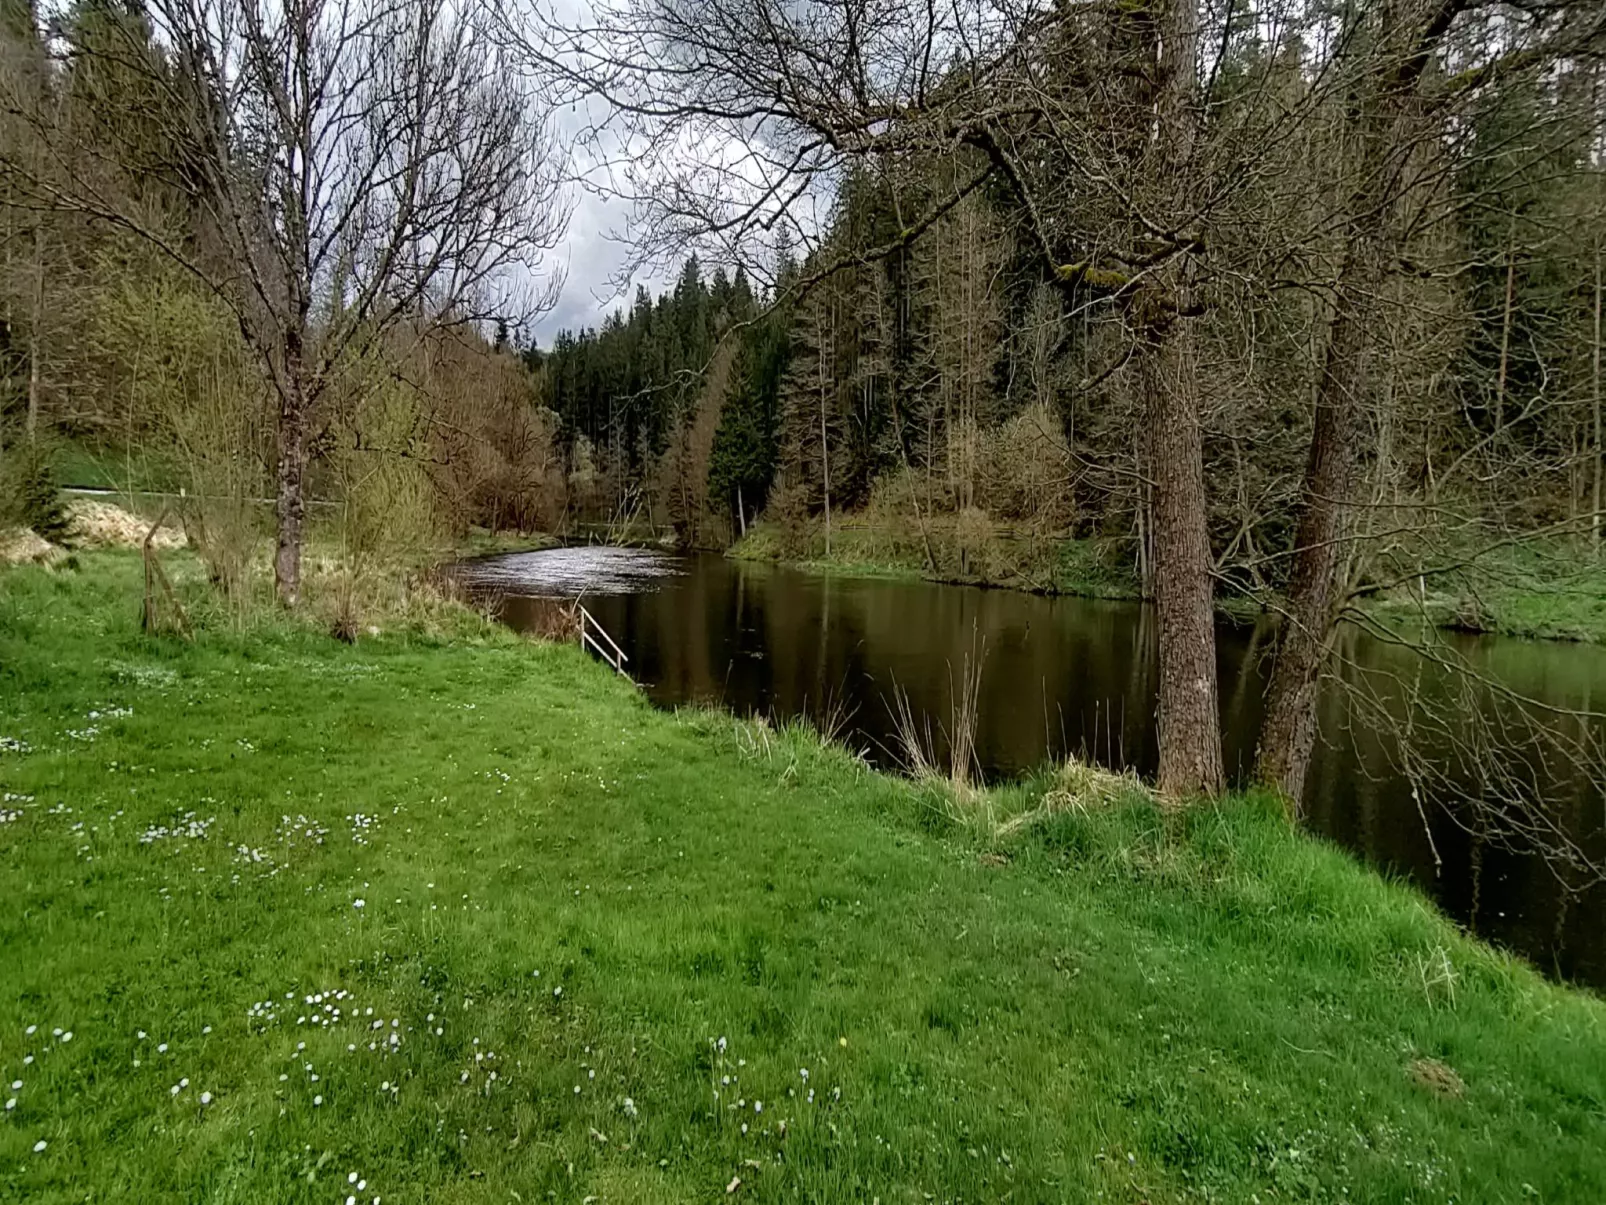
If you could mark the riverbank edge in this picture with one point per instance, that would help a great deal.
(1227, 868)
(991, 816)
(1555, 614)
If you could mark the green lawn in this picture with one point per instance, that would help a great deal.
(574, 919)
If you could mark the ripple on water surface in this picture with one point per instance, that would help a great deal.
(570, 572)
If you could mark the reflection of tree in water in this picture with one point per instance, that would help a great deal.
(1501, 766)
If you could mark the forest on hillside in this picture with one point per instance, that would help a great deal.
(948, 379)
(1289, 302)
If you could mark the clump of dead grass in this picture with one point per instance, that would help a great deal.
(1077, 788)
(1439, 1078)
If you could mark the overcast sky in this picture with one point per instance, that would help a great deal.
(590, 258)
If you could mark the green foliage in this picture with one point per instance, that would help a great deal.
(201, 407)
(623, 386)
(1113, 1003)
(29, 493)
(746, 443)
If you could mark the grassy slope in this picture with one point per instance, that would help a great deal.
(1130, 1008)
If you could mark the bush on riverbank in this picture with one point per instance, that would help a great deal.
(616, 953)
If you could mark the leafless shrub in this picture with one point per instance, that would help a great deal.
(552, 619)
(947, 755)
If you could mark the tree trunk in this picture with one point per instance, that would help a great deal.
(1189, 723)
(1594, 517)
(33, 329)
(290, 503)
(825, 469)
(1189, 720)
(1288, 736)
(1505, 339)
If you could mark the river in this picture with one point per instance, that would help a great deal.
(1416, 766)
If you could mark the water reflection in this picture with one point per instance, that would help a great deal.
(1078, 675)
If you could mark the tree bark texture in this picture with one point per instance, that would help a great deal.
(1380, 120)
(1189, 719)
(290, 505)
(1288, 736)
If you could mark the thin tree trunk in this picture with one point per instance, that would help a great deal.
(1288, 736)
(290, 500)
(33, 330)
(741, 511)
(1594, 515)
(1505, 340)
(825, 467)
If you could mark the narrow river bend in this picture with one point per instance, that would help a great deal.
(1078, 675)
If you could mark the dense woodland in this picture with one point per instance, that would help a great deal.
(1290, 301)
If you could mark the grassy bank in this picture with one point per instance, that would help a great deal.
(1544, 589)
(1086, 568)
(458, 918)
(1550, 589)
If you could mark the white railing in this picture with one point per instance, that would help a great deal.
(613, 654)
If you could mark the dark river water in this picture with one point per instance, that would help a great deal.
(1427, 767)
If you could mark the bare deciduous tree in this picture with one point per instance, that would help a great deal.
(360, 167)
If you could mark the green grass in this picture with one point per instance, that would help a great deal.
(1116, 1004)
(864, 548)
(1541, 588)
(479, 541)
(111, 466)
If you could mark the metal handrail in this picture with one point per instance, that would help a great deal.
(618, 658)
